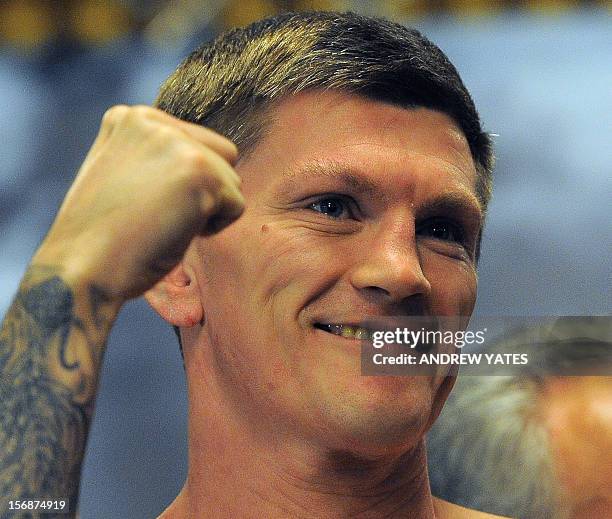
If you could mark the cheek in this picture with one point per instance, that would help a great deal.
(266, 269)
(292, 261)
(237, 256)
(453, 283)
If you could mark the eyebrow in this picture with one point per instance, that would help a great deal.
(456, 202)
(459, 203)
(340, 173)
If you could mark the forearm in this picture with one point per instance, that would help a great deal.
(51, 347)
(149, 184)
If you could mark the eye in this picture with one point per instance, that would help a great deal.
(441, 229)
(331, 206)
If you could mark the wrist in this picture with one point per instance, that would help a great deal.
(79, 273)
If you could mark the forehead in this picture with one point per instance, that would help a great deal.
(321, 115)
(362, 134)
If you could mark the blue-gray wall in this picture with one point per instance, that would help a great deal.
(544, 85)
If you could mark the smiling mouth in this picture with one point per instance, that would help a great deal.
(348, 331)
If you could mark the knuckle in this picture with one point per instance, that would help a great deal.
(141, 110)
(162, 134)
(198, 170)
(114, 114)
(135, 114)
(202, 162)
(194, 160)
(237, 208)
(233, 202)
(233, 147)
(239, 203)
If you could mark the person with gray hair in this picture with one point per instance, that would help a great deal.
(296, 177)
(536, 444)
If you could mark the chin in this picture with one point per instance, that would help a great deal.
(383, 416)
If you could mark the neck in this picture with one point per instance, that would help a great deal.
(225, 480)
(234, 467)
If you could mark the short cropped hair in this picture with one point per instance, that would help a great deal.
(228, 84)
(490, 447)
(232, 83)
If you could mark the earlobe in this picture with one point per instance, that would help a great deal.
(176, 298)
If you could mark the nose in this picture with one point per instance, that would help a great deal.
(391, 265)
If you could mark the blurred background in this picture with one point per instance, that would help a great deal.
(540, 73)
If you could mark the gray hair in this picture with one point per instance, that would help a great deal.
(490, 448)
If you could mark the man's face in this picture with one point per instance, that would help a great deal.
(354, 209)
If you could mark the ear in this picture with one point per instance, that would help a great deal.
(176, 297)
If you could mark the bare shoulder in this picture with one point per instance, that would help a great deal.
(446, 510)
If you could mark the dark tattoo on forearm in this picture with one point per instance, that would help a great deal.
(43, 419)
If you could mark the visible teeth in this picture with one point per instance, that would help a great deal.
(362, 333)
(347, 331)
(335, 328)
